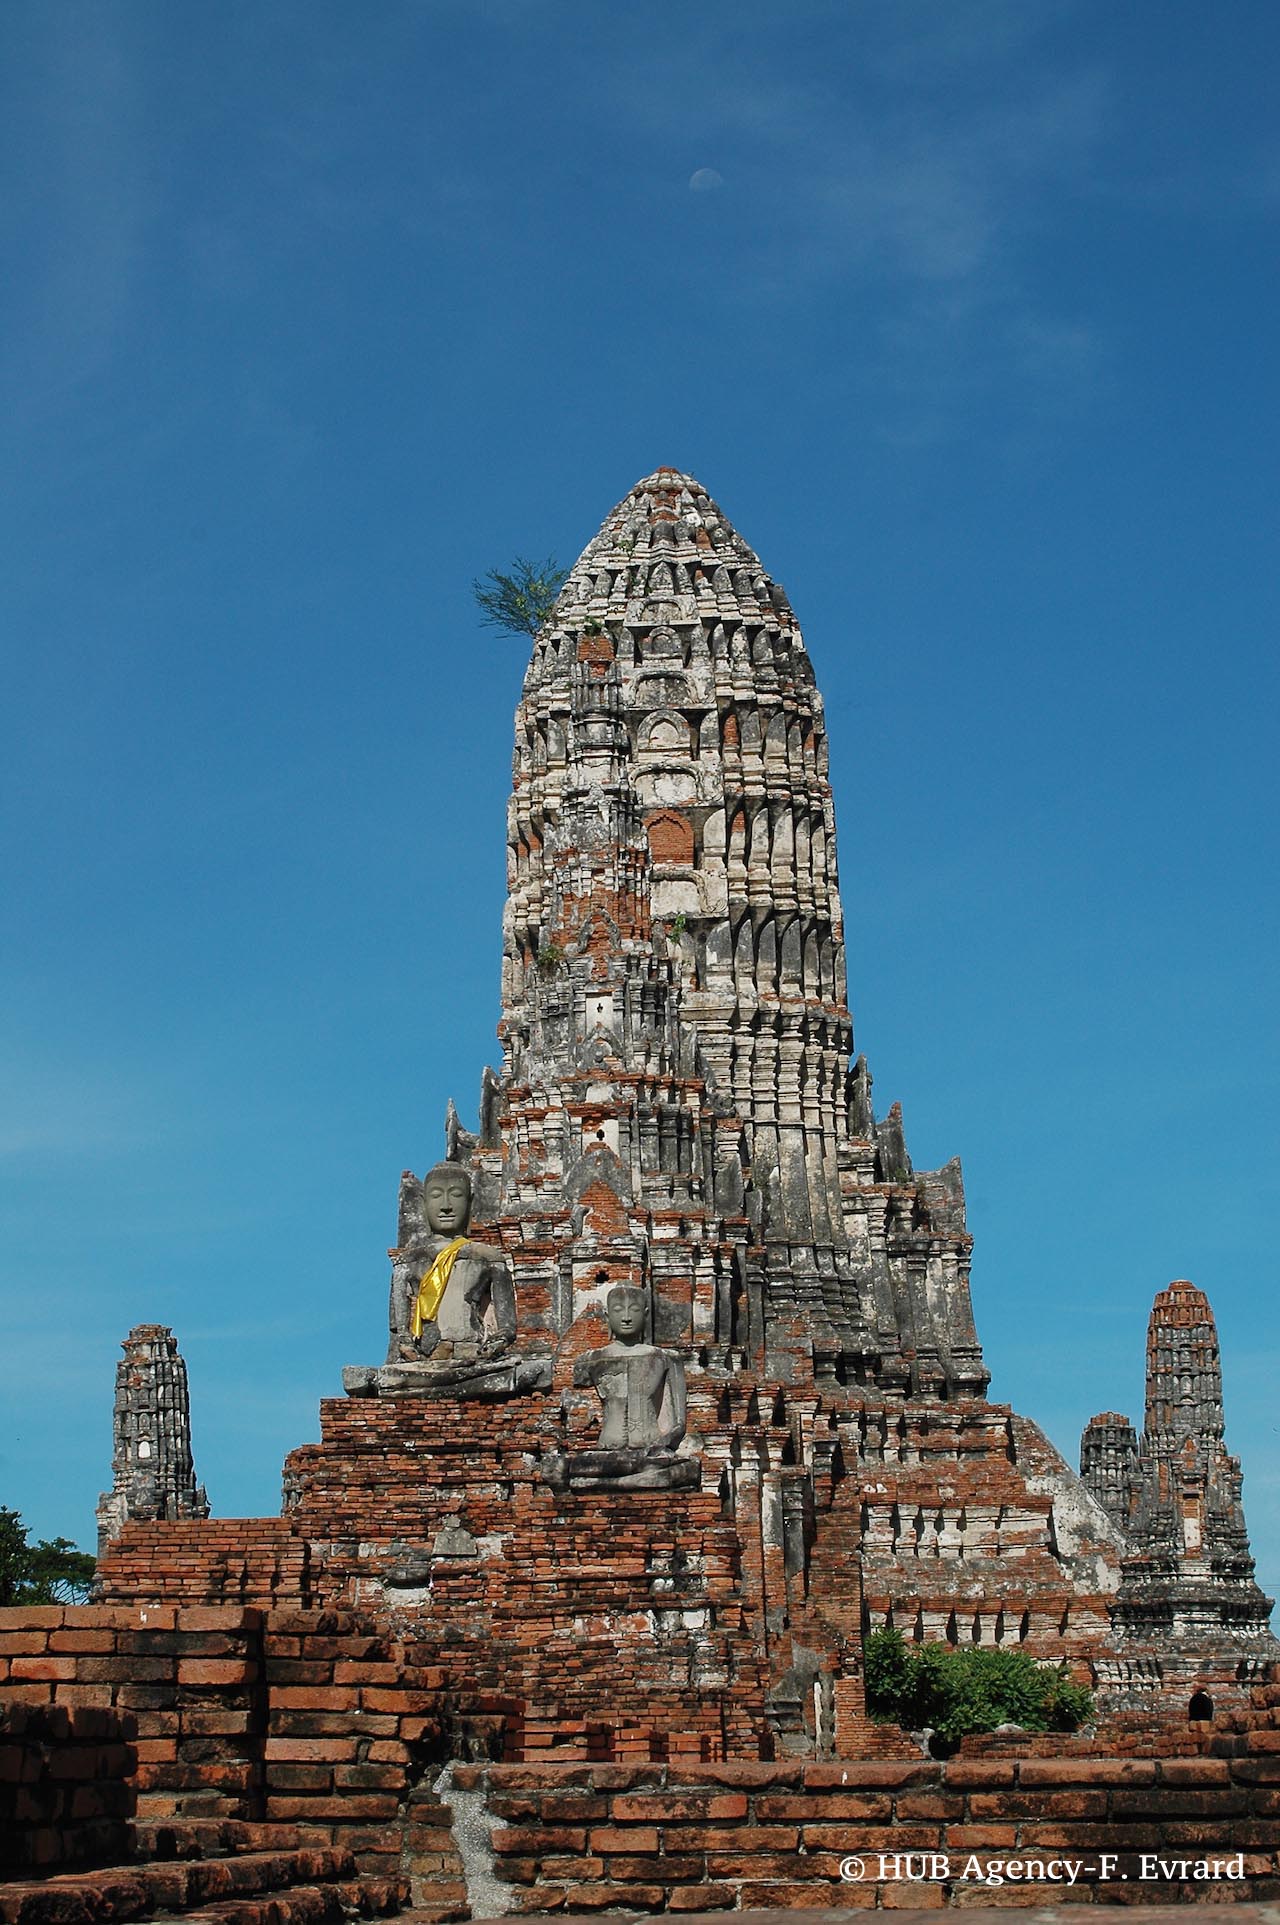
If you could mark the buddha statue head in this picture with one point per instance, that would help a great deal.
(446, 1196)
(626, 1307)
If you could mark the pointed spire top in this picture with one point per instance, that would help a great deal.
(1181, 1303)
(667, 553)
(1184, 1375)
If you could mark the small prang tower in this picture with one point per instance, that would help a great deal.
(1187, 1588)
(151, 1462)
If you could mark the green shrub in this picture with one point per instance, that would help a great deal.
(955, 1690)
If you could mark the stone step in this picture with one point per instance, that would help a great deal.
(379, 1897)
(302, 1905)
(241, 1889)
(166, 1838)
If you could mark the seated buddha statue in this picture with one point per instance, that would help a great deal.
(642, 1394)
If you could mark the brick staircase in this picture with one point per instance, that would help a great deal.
(212, 1872)
(1252, 1729)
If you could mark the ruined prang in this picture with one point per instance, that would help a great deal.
(1108, 1464)
(1188, 1599)
(676, 1032)
(682, 1398)
(151, 1460)
(682, 1393)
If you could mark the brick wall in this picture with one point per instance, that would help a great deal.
(66, 1795)
(352, 1726)
(305, 1718)
(228, 1560)
(191, 1682)
(337, 1728)
(744, 1836)
(557, 1585)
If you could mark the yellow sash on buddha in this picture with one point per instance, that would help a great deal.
(433, 1286)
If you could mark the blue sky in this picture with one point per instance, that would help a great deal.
(965, 314)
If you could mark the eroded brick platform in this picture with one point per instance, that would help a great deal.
(263, 1736)
(747, 1836)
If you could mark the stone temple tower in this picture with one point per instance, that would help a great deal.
(151, 1460)
(1187, 1589)
(676, 1105)
(683, 1394)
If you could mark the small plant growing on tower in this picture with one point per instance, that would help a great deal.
(519, 601)
(550, 959)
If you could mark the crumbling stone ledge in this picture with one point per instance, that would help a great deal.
(1189, 1914)
(749, 1837)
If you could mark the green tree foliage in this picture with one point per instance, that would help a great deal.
(49, 1572)
(975, 1688)
(520, 601)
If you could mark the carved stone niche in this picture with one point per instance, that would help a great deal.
(662, 689)
(670, 839)
(662, 640)
(663, 734)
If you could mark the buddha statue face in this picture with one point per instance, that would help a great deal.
(626, 1306)
(446, 1195)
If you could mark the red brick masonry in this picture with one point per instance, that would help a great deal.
(334, 1735)
(66, 1785)
(681, 1838)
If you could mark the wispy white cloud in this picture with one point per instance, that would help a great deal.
(910, 180)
